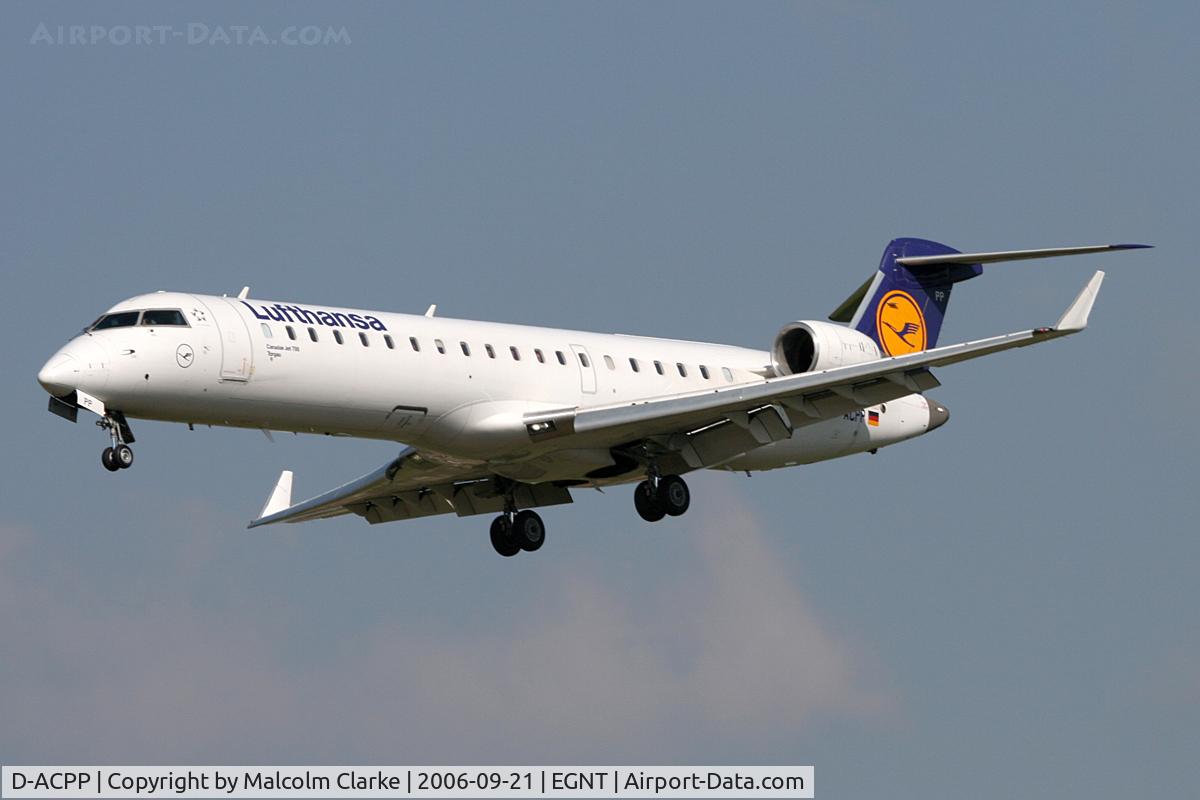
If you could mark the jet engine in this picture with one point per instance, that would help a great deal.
(810, 345)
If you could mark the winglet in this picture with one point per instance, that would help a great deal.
(281, 496)
(1076, 317)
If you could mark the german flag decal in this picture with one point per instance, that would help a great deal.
(873, 419)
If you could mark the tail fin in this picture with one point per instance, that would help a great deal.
(902, 306)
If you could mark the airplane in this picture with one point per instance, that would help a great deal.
(502, 419)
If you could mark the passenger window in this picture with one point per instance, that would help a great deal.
(608, 362)
(658, 367)
(362, 337)
(583, 359)
(516, 354)
(682, 370)
(539, 355)
(561, 358)
(312, 334)
(466, 348)
(728, 375)
(490, 350)
(633, 365)
(266, 329)
(704, 372)
(291, 332)
(440, 345)
(387, 339)
(163, 317)
(337, 337)
(416, 346)
(123, 319)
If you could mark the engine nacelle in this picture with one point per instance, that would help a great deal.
(811, 345)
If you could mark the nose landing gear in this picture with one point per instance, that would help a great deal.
(119, 455)
(115, 458)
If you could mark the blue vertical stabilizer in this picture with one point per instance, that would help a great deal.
(902, 306)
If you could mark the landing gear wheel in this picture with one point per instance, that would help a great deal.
(674, 495)
(528, 531)
(118, 455)
(123, 456)
(502, 537)
(649, 502)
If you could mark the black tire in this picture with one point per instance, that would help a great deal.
(107, 459)
(648, 502)
(529, 531)
(674, 494)
(123, 456)
(502, 539)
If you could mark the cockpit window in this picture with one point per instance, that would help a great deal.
(123, 319)
(168, 316)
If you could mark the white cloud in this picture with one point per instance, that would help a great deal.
(727, 647)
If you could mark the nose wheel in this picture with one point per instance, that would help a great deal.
(119, 455)
(115, 458)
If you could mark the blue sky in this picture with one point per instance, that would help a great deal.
(1011, 599)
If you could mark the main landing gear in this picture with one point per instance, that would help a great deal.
(513, 532)
(658, 497)
(119, 455)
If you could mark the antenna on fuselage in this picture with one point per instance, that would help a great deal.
(244, 293)
(429, 312)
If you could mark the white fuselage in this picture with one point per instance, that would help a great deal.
(458, 389)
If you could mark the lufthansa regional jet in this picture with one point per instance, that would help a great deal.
(501, 419)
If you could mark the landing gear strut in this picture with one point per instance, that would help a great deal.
(119, 455)
(657, 497)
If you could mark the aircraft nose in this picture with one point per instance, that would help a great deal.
(939, 415)
(60, 374)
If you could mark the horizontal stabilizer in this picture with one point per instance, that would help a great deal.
(1076, 317)
(281, 496)
(1013, 255)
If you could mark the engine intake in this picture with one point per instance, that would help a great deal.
(811, 345)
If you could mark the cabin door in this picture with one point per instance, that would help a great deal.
(237, 357)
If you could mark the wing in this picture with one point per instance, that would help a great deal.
(411, 485)
(709, 427)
